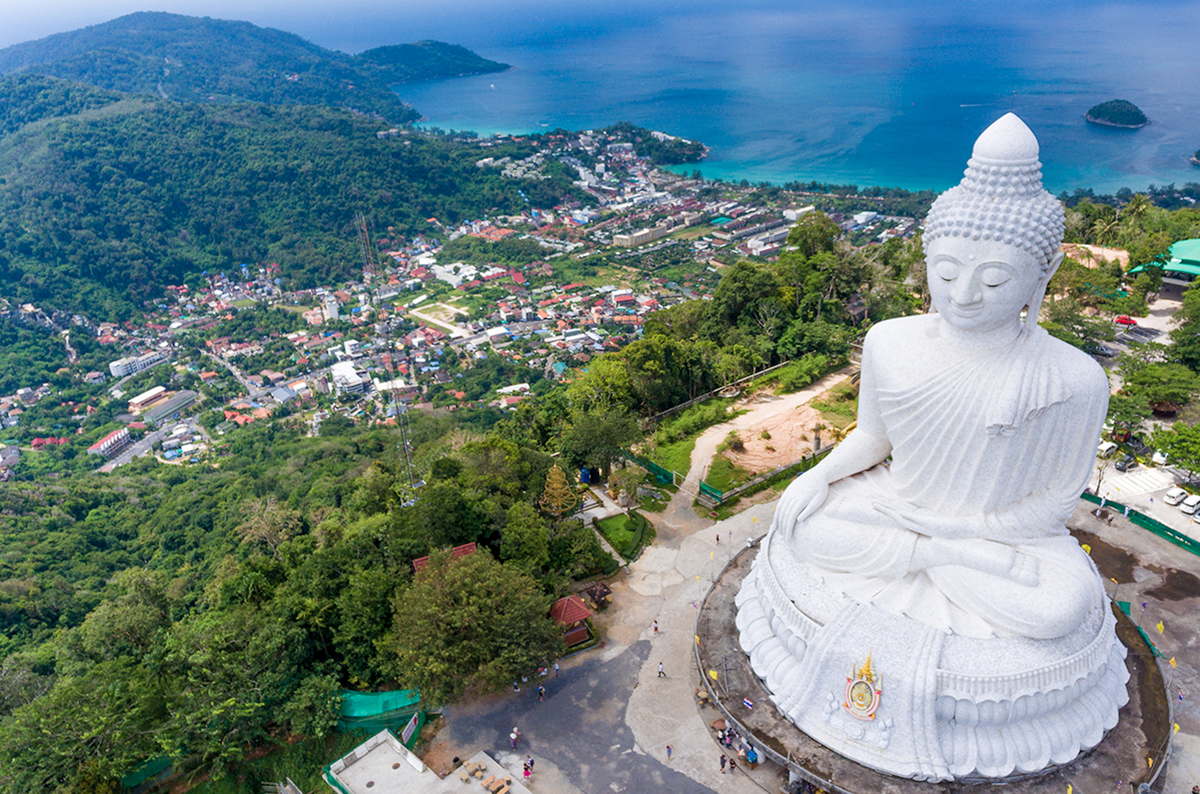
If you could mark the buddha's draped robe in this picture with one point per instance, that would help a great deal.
(1005, 438)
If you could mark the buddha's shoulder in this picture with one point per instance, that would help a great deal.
(1072, 362)
(900, 333)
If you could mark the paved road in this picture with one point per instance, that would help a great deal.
(136, 450)
(578, 736)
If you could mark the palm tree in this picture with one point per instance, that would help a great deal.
(1104, 230)
(1137, 206)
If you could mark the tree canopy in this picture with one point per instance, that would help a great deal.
(161, 192)
(471, 622)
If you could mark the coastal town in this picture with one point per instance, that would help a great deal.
(420, 327)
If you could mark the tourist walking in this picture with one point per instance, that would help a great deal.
(656, 628)
(724, 760)
(732, 765)
(661, 674)
(669, 749)
(541, 690)
(556, 669)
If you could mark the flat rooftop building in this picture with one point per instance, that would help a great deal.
(165, 411)
(382, 764)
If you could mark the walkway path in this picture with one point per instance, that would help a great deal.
(762, 407)
(664, 584)
(680, 516)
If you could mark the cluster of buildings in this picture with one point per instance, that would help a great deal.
(417, 320)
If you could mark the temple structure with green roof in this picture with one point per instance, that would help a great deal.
(1184, 265)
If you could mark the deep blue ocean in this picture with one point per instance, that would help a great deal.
(841, 91)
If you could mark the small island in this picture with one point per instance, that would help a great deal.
(1117, 113)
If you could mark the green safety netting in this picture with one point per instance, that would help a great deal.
(371, 712)
(148, 771)
(1148, 523)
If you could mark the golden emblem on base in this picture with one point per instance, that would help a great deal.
(864, 688)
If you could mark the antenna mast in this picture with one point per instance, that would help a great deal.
(370, 264)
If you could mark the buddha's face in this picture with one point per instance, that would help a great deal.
(980, 285)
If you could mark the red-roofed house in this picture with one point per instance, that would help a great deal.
(111, 444)
(572, 614)
(457, 551)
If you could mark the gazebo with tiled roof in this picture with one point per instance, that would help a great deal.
(572, 614)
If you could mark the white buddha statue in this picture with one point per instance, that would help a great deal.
(937, 527)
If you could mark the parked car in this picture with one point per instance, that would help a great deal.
(1106, 448)
(1127, 463)
(1174, 496)
(1158, 458)
(1125, 320)
(1190, 504)
(1100, 350)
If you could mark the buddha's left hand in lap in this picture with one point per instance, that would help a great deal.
(931, 523)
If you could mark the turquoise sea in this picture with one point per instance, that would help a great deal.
(848, 93)
(841, 91)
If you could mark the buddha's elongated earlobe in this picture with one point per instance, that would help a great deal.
(1039, 292)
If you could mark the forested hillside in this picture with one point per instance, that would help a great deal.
(212, 60)
(100, 209)
(424, 60)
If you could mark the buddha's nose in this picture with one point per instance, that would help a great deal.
(966, 290)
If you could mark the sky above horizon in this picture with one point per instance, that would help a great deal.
(355, 25)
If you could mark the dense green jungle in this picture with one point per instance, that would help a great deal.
(103, 206)
(195, 59)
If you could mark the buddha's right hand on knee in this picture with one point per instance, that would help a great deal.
(986, 556)
(801, 499)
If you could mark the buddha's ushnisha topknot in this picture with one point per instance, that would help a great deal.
(1001, 195)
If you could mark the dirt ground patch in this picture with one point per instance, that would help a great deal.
(1176, 586)
(439, 757)
(1113, 562)
(1089, 254)
(789, 437)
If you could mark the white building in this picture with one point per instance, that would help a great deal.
(329, 307)
(134, 364)
(111, 444)
(346, 379)
(794, 215)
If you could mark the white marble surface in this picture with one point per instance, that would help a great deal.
(933, 538)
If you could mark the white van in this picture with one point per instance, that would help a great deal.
(1105, 449)
(1190, 505)
(1174, 496)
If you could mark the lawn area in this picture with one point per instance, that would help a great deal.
(839, 406)
(626, 532)
(725, 475)
(652, 504)
(675, 438)
(676, 456)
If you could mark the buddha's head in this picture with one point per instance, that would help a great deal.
(992, 241)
